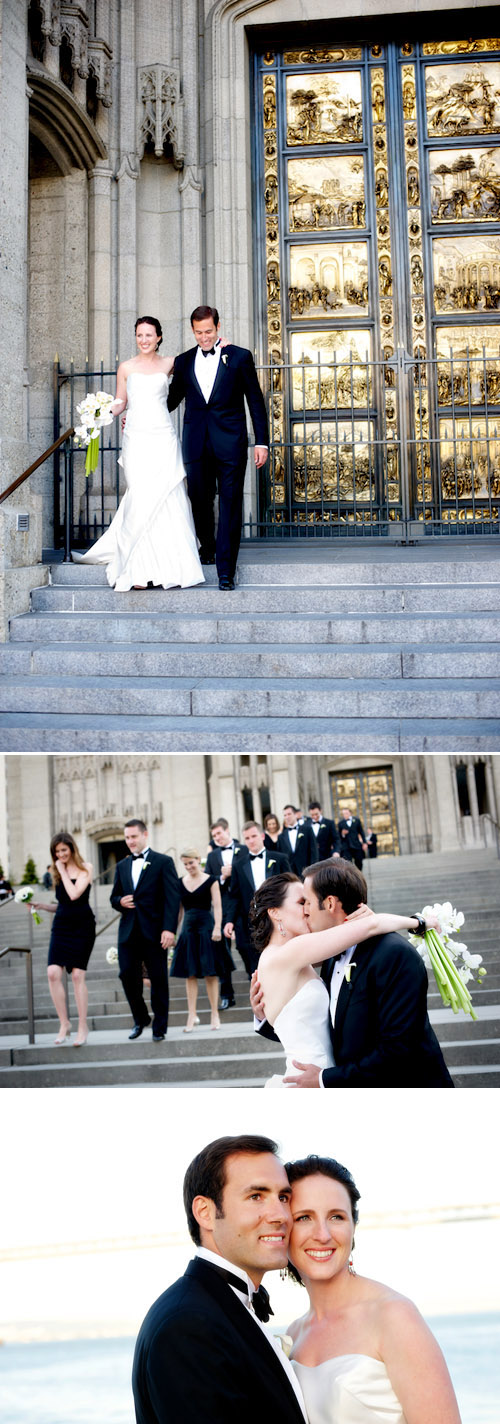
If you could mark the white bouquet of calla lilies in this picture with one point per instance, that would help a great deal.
(112, 954)
(23, 897)
(451, 962)
(94, 412)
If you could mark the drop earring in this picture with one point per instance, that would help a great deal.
(281, 928)
(350, 1267)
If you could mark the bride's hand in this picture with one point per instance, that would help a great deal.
(257, 998)
(224, 341)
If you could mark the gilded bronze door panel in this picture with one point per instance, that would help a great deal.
(369, 795)
(377, 172)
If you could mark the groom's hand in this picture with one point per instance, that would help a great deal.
(167, 939)
(309, 1075)
(128, 902)
(257, 998)
(261, 454)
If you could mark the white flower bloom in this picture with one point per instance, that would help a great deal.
(25, 893)
(471, 960)
(112, 954)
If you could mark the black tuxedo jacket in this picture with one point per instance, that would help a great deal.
(382, 1036)
(201, 1358)
(214, 864)
(306, 850)
(351, 842)
(156, 897)
(327, 839)
(241, 886)
(223, 417)
(372, 846)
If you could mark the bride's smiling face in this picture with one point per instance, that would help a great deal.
(147, 339)
(323, 1228)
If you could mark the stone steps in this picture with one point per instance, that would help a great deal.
(347, 648)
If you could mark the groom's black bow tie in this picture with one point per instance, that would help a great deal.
(139, 855)
(259, 1299)
(259, 855)
(209, 353)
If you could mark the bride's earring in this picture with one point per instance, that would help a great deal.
(281, 928)
(283, 1273)
(351, 1267)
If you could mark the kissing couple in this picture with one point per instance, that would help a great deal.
(206, 1354)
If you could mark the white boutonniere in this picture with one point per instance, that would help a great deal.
(299, 835)
(286, 1342)
(271, 862)
(224, 358)
(236, 849)
(350, 966)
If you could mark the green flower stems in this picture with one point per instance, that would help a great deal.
(92, 456)
(452, 989)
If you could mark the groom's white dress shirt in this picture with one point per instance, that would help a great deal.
(336, 983)
(246, 1299)
(138, 866)
(205, 370)
(258, 869)
(293, 832)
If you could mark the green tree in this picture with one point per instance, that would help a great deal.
(30, 873)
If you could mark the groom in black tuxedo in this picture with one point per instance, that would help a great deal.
(214, 384)
(204, 1354)
(146, 892)
(248, 873)
(379, 1026)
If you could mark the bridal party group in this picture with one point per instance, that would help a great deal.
(289, 899)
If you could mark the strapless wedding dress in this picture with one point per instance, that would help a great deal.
(303, 1028)
(349, 1389)
(152, 536)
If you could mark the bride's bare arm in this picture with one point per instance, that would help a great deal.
(120, 399)
(416, 1366)
(361, 925)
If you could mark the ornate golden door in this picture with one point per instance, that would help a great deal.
(377, 174)
(369, 795)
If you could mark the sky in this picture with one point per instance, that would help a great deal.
(94, 1165)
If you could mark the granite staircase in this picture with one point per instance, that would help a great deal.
(322, 646)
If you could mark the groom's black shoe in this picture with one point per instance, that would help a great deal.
(158, 1037)
(226, 584)
(136, 1031)
(206, 558)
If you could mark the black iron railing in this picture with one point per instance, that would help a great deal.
(401, 448)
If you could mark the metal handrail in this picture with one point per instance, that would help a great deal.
(485, 816)
(29, 985)
(41, 460)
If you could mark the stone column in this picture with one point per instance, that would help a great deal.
(100, 266)
(127, 175)
(20, 552)
(446, 833)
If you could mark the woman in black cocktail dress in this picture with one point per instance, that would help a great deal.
(73, 933)
(197, 952)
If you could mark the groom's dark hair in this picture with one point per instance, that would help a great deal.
(340, 878)
(206, 1174)
(204, 314)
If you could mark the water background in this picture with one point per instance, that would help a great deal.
(88, 1381)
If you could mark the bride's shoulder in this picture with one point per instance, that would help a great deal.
(394, 1312)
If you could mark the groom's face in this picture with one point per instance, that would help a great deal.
(135, 839)
(254, 1228)
(321, 916)
(206, 333)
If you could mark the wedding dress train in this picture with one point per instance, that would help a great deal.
(152, 536)
(303, 1028)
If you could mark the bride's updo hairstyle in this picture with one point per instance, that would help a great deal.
(314, 1166)
(151, 321)
(270, 896)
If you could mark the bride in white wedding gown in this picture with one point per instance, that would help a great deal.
(297, 1003)
(362, 1353)
(152, 536)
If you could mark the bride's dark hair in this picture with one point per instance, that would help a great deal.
(151, 321)
(269, 896)
(314, 1166)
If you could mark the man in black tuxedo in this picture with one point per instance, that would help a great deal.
(249, 871)
(146, 892)
(214, 383)
(297, 841)
(379, 1027)
(352, 838)
(204, 1354)
(371, 841)
(325, 831)
(219, 862)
